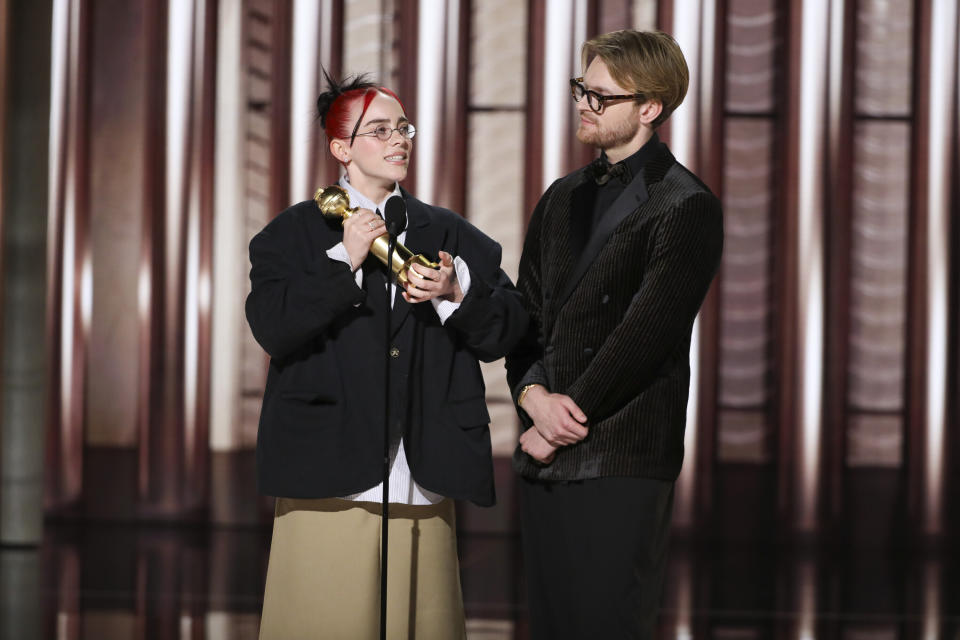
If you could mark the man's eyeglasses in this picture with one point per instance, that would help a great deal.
(595, 100)
(384, 133)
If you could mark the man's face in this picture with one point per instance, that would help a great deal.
(618, 124)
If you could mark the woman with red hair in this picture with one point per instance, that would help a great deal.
(318, 306)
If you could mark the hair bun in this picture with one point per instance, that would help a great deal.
(337, 88)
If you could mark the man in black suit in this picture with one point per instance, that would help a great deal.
(617, 260)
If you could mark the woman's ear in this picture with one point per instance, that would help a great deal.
(340, 151)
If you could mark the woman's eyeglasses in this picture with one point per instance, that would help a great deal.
(384, 133)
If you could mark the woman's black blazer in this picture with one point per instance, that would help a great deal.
(322, 419)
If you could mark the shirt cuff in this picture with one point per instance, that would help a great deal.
(339, 253)
(445, 308)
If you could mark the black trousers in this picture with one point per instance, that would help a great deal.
(594, 555)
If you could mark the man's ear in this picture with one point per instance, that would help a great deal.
(340, 151)
(650, 111)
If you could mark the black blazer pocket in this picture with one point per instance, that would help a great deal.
(309, 397)
(469, 413)
(304, 414)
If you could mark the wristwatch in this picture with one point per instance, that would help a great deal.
(523, 393)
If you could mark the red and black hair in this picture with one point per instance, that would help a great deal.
(334, 104)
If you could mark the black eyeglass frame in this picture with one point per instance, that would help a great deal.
(577, 84)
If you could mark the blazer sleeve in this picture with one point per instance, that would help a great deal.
(294, 298)
(491, 318)
(525, 362)
(686, 255)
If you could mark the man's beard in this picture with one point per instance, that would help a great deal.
(608, 138)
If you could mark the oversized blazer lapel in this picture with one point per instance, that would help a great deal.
(424, 235)
(629, 201)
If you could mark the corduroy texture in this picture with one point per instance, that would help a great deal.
(618, 344)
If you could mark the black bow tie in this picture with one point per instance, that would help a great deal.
(603, 171)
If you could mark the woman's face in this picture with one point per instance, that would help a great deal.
(374, 164)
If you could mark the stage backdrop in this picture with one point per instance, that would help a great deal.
(825, 357)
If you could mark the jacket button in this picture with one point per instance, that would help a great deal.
(605, 299)
(588, 351)
(394, 352)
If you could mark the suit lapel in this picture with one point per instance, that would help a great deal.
(629, 201)
(581, 216)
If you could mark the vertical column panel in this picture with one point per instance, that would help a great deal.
(745, 393)
(802, 416)
(281, 25)
(229, 448)
(175, 455)
(117, 66)
(67, 252)
(878, 198)
(310, 51)
(551, 146)
(323, 168)
(710, 169)
(363, 43)
(430, 50)
(258, 44)
(878, 295)
(441, 103)
(230, 262)
(151, 273)
(837, 295)
(4, 79)
(24, 120)
(404, 59)
(644, 14)
(787, 346)
(315, 48)
(533, 156)
(694, 30)
(613, 15)
(495, 164)
(942, 121)
(566, 30)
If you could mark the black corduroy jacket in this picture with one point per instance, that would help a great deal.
(612, 314)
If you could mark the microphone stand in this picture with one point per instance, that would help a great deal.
(385, 495)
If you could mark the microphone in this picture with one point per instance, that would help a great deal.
(395, 215)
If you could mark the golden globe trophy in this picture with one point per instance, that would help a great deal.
(334, 204)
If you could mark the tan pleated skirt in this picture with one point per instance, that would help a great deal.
(323, 577)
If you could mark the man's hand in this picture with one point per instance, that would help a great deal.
(556, 416)
(359, 232)
(425, 284)
(533, 444)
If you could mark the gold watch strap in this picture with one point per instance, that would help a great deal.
(523, 393)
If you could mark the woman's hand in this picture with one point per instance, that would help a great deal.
(359, 232)
(424, 283)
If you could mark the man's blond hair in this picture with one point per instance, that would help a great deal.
(647, 62)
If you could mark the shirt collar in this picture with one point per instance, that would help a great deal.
(636, 161)
(357, 199)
